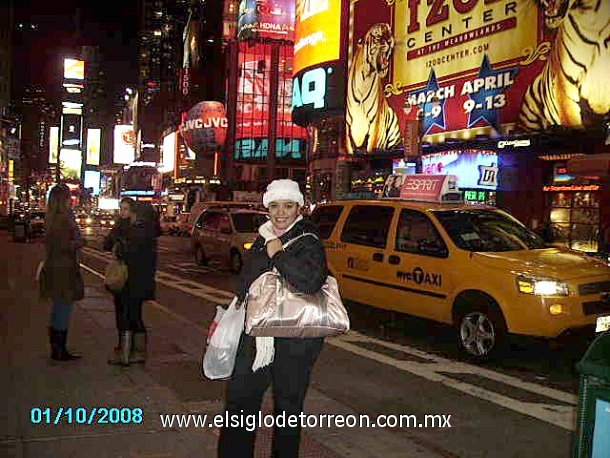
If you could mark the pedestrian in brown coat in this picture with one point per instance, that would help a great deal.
(61, 279)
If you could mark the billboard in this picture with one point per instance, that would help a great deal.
(318, 86)
(254, 100)
(272, 19)
(53, 144)
(475, 169)
(74, 69)
(168, 153)
(94, 138)
(71, 163)
(317, 33)
(472, 67)
(93, 180)
(124, 144)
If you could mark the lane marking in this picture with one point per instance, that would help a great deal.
(558, 415)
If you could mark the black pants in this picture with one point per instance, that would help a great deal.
(289, 375)
(128, 313)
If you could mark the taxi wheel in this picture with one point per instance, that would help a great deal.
(200, 257)
(481, 332)
(236, 262)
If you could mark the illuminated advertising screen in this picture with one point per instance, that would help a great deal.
(71, 131)
(53, 144)
(124, 144)
(318, 87)
(266, 19)
(74, 69)
(71, 163)
(317, 33)
(471, 67)
(253, 102)
(168, 153)
(94, 138)
(92, 180)
(141, 180)
(475, 169)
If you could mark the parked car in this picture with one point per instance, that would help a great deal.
(476, 268)
(199, 207)
(226, 234)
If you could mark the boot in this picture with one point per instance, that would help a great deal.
(59, 352)
(121, 357)
(138, 355)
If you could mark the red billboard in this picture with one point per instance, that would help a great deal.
(473, 67)
(254, 102)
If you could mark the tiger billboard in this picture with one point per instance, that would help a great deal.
(468, 67)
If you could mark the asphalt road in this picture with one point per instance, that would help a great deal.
(521, 405)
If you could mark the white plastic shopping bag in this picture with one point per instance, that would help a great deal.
(219, 358)
(220, 311)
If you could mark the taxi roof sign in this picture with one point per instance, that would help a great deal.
(431, 188)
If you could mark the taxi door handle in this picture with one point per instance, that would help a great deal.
(393, 259)
(378, 257)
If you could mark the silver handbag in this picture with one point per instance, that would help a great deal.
(276, 309)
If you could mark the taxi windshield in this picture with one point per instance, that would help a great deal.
(487, 230)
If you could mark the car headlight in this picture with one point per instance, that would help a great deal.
(88, 221)
(248, 245)
(540, 286)
(77, 220)
(112, 223)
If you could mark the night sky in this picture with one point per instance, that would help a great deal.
(111, 26)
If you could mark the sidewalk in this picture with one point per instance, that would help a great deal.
(170, 382)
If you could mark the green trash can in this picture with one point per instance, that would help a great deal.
(592, 438)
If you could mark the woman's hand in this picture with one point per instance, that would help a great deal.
(273, 246)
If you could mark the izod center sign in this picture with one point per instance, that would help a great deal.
(472, 67)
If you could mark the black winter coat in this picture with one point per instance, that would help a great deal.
(302, 264)
(137, 246)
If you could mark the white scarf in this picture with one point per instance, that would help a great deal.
(265, 346)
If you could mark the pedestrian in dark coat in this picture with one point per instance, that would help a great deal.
(113, 242)
(137, 246)
(285, 363)
(61, 279)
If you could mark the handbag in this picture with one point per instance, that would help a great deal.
(116, 275)
(276, 309)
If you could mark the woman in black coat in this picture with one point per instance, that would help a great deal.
(135, 242)
(285, 363)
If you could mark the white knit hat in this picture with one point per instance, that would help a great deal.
(283, 190)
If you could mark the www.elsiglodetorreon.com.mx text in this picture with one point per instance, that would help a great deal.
(253, 421)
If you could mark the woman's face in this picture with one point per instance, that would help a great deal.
(125, 210)
(283, 213)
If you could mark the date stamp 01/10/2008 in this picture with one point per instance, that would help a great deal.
(86, 415)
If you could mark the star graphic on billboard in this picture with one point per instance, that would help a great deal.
(432, 108)
(490, 97)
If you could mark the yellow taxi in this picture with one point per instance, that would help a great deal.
(475, 267)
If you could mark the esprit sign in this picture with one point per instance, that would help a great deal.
(430, 188)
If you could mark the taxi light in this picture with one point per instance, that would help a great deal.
(557, 309)
(541, 286)
(247, 245)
